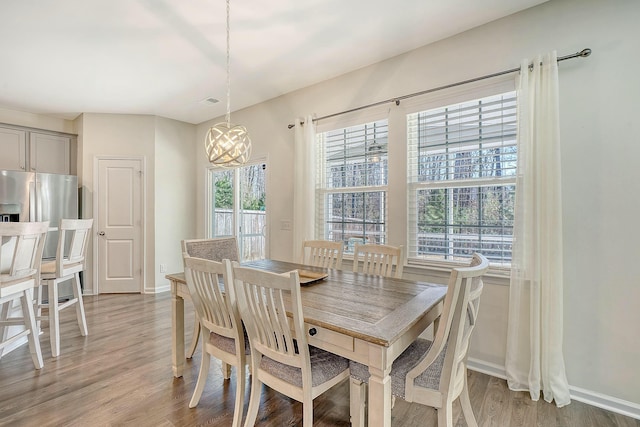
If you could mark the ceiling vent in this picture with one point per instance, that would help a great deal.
(209, 101)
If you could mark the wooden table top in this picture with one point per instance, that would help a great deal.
(372, 308)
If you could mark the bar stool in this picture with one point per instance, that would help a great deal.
(21, 245)
(66, 268)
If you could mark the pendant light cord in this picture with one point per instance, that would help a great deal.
(228, 115)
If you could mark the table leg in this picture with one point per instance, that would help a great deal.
(177, 331)
(357, 390)
(379, 397)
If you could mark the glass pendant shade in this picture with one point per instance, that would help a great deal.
(228, 145)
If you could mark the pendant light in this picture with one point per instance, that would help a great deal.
(228, 144)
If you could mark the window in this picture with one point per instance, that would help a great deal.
(237, 207)
(461, 180)
(352, 184)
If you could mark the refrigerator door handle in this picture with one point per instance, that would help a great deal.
(32, 202)
(38, 201)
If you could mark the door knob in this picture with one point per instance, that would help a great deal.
(101, 233)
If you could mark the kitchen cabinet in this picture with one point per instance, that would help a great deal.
(49, 153)
(13, 147)
(34, 150)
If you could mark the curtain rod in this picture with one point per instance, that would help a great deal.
(582, 54)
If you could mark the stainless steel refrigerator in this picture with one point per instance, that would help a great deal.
(29, 196)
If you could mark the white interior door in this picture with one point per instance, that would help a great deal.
(119, 230)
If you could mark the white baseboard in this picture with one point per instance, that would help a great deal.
(613, 404)
(486, 368)
(159, 288)
(603, 401)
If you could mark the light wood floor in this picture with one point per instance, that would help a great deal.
(121, 375)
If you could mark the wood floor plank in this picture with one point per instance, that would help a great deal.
(120, 375)
(523, 409)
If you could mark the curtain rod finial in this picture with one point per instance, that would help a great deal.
(585, 52)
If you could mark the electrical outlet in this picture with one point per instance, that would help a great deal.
(285, 224)
(163, 268)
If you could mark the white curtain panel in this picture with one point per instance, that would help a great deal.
(534, 358)
(304, 185)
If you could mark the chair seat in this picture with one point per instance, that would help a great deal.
(430, 378)
(324, 366)
(6, 277)
(48, 269)
(228, 345)
(10, 285)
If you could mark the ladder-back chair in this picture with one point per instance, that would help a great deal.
(435, 373)
(280, 355)
(222, 332)
(322, 253)
(381, 260)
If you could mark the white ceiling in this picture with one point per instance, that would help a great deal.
(163, 57)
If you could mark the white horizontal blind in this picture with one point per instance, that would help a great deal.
(461, 180)
(352, 184)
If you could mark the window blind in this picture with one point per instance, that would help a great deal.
(352, 183)
(461, 179)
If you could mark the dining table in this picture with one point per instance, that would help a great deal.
(366, 318)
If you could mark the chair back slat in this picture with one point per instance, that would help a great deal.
(381, 260)
(322, 253)
(213, 302)
(24, 255)
(263, 300)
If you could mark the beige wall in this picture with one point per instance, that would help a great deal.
(175, 187)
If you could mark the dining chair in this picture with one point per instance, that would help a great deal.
(382, 260)
(215, 249)
(322, 253)
(21, 246)
(280, 355)
(222, 331)
(73, 240)
(435, 373)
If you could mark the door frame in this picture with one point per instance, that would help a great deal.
(143, 216)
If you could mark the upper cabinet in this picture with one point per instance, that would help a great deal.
(36, 151)
(13, 148)
(49, 153)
